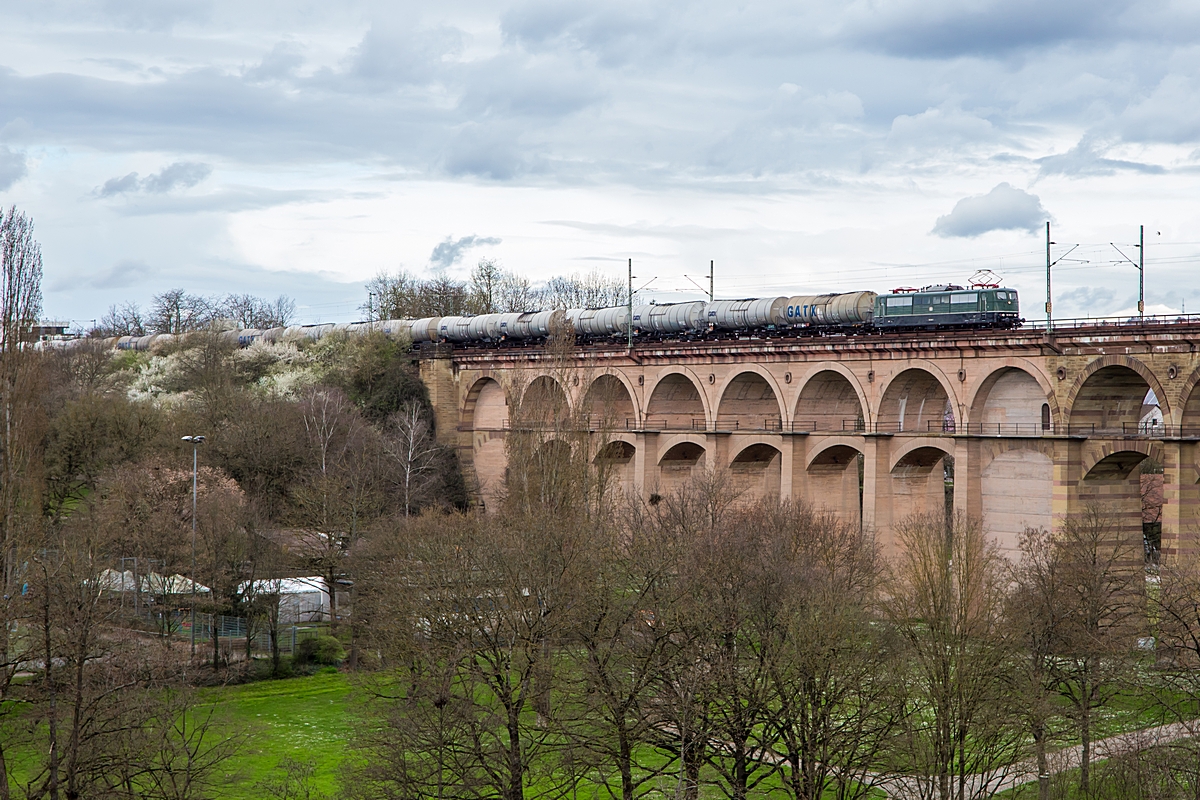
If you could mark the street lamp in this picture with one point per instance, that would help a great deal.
(195, 442)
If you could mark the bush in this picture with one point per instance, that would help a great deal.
(320, 650)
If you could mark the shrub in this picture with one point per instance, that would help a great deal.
(320, 650)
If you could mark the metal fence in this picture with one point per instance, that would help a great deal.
(177, 623)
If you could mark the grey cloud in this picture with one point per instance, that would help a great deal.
(1085, 160)
(282, 62)
(12, 167)
(1004, 208)
(1097, 299)
(450, 252)
(948, 29)
(1170, 113)
(121, 185)
(226, 200)
(125, 273)
(180, 175)
(391, 55)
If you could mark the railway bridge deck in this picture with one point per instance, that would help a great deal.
(1037, 424)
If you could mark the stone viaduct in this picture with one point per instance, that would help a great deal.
(1037, 425)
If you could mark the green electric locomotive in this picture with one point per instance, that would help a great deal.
(947, 306)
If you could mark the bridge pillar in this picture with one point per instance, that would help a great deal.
(786, 466)
(639, 464)
(1181, 498)
(876, 492)
(968, 483)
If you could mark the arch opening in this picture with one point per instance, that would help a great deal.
(828, 402)
(614, 463)
(1118, 466)
(675, 404)
(608, 405)
(1110, 401)
(1190, 417)
(915, 402)
(757, 471)
(543, 405)
(486, 416)
(835, 482)
(680, 465)
(749, 403)
(1011, 403)
(922, 482)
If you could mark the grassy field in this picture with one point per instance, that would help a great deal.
(301, 718)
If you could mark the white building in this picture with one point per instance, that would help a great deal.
(300, 599)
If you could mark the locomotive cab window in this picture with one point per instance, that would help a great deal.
(899, 302)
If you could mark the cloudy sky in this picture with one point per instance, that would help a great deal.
(303, 147)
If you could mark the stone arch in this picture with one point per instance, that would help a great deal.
(917, 480)
(609, 404)
(680, 463)
(756, 470)
(486, 405)
(832, 479)
(749, 402)
(485, 415)
(544, 403)
(1107, 396)
(750, 399)
(917, 400)
(615, 461)
(677, 402)
(903, 455)
(1189, 406)
(825, 455)
(829, 400)
(1117, 461)
(1009, 401)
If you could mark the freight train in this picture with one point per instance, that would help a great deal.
(937, 307)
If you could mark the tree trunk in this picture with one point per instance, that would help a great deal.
(516, 772)
(52, 718)
(1085, 737)
(626, 756)
(331, 588)
(1043, 763)
(692, 753)
(4, 795)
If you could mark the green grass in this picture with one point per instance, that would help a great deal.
(306, 719)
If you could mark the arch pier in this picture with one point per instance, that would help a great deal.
(1019, 428)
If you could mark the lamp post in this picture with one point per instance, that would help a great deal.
(195, 442)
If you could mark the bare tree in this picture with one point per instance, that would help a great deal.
(20, 431)
(175, 311)
(489, 596)
(250, 311)
(1100, 617)
(947, 604)
(414, 450)
(1034, 611)
(833, 706)
(125, 319)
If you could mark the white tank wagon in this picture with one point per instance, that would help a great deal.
(755, 312)
(851, 308)
(670, 318)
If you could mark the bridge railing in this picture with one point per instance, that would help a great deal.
(754, 424)
(1150, 320)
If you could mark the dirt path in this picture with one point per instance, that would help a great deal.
(1023, 772)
